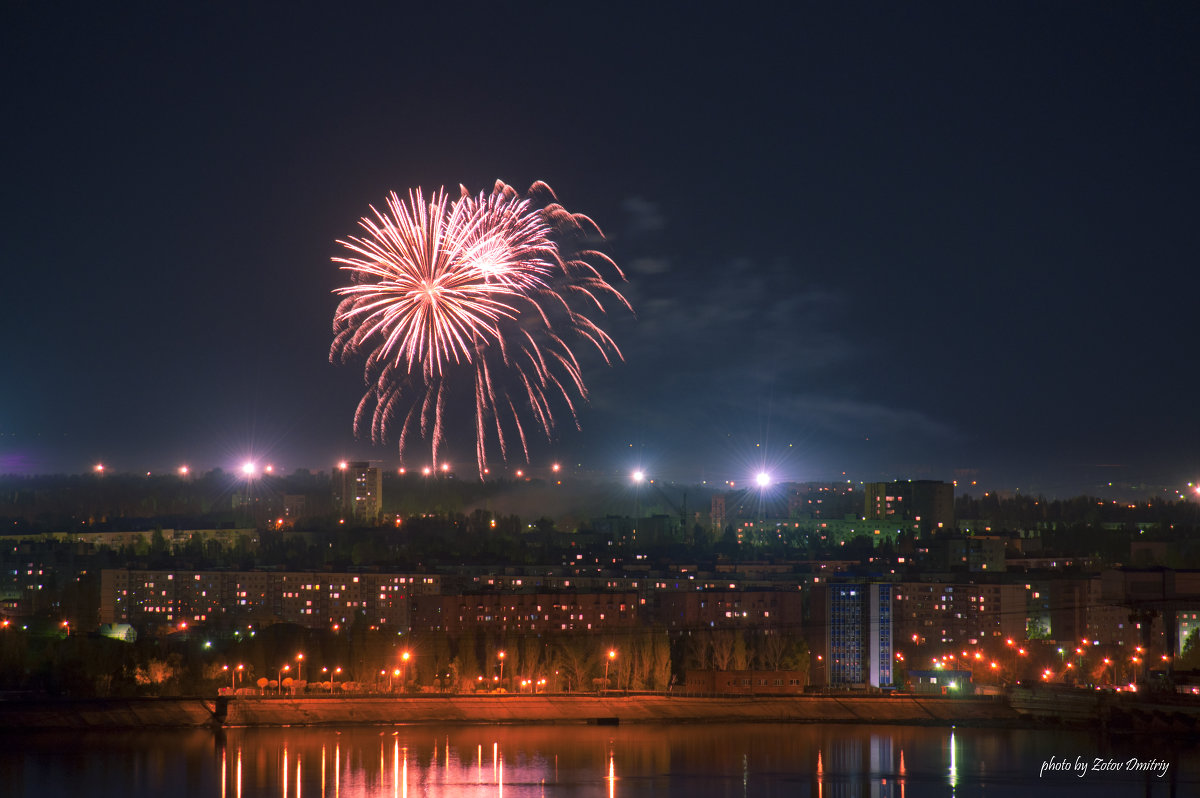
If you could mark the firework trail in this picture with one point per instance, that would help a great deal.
(480, 296)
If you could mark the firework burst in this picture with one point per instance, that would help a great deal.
(480, 297)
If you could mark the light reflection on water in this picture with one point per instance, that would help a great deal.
(627, 761)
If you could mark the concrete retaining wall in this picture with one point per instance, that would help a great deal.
(126, 713)
(253, 711)
(590, 709)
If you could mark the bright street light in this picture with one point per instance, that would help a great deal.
(612, 654)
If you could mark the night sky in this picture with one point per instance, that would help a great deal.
(944, 242)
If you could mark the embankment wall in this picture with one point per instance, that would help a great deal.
(309, 711)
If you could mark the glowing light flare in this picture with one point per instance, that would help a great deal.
(249, 468)
(763, 479)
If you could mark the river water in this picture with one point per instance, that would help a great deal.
(697, 761)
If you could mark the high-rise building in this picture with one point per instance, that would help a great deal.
(358, 491)
(924, 504)
(718, 516)
(852, 643)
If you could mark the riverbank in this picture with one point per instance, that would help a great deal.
(489, 709)
(1021, 708)
(104, 713)
(618, 709)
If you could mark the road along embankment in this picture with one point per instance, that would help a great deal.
(327, 711)
(1115, 712)
(617, 709)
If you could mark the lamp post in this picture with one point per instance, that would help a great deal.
(282, 671)
(404, 658)
(763, 480)
(612, 654)
(249, 469)
(500, 656)
(234, 675)
(638, 477)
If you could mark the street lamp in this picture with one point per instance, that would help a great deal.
(500, 656)
(763, 480)
(332, 677)
(300, 666)
(234, 675)
(404, 658)
(612, 654)
(282, 671)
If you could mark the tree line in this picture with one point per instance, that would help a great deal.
(48, 659)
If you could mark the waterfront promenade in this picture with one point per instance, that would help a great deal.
(1023, 707)
(492, 708)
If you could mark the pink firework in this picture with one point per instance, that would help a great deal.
(482, 296)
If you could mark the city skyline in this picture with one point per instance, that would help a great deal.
(872, 244)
